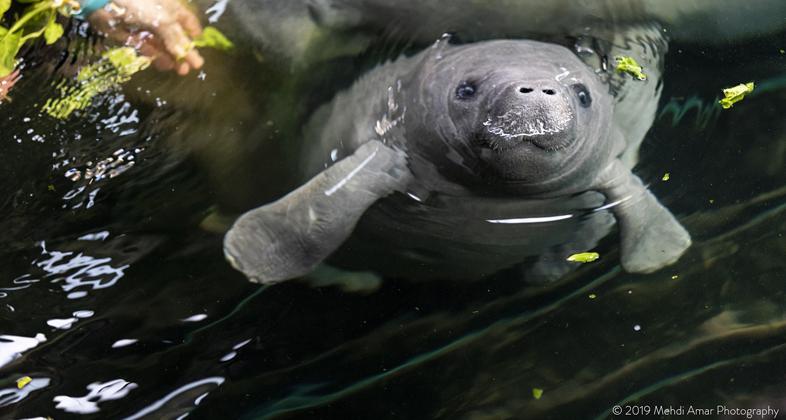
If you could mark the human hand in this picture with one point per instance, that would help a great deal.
(6, 83)
(160, 29)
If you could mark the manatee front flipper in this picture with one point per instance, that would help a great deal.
(651, 237)
(291, 236)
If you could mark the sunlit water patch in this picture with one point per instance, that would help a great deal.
(98, 393)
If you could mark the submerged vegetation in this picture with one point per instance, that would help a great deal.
(116, 65)
(212, 38)
(39, 19)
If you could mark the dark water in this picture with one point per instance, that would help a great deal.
(116, 300)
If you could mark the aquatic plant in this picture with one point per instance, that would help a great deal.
(212, 38)
(115, 67)
(39, 19)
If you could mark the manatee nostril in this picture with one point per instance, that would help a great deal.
(525, 90)
(549, 91)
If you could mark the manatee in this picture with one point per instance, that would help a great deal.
(469, 149)
(704, 21)
(307, 31)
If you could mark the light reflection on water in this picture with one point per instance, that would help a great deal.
(182, 399)
(66, 323)
(12, 347)
(98, 392)
(76, 270)
(13, 395)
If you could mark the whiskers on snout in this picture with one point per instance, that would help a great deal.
(501, 143)
(536, 125)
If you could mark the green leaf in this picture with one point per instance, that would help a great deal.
(630, 66)
(53, 32)
(9, 47)
(735, 94)
(213, 38)
(584, 257)
(126, 60)
(23, 381)
(4, 6)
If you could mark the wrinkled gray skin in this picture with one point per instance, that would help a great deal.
(493, 130)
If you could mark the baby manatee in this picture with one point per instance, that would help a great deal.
(466, 150)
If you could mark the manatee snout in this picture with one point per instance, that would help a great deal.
(538, 112)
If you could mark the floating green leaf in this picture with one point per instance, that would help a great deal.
(630, 66)
(23, 381)
(115, 67)
(213, 38)
(735, 94)
(537, 393)
(584, 257)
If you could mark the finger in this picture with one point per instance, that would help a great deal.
(183, 68)
(161, 60)
(147, 45)
(137, 40)
(189, 21)
(14, 76)
(163, 63)
(7, 82)
(194, 60)
(175, 40)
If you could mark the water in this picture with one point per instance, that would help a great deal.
(116, 301)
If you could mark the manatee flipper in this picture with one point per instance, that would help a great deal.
(290, 237)
(553, 265)
(651, 237)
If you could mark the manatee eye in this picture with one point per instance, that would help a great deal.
(583, 94)
(465, 90)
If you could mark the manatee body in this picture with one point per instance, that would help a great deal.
(705, 21)
(481, 154)
(311, 30)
